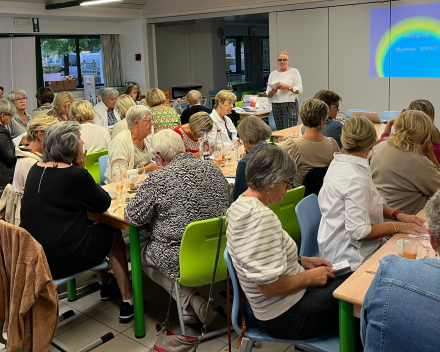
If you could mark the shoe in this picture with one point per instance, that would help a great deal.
(200, 304)
(189, 316)
(108, 290)
(126, 313)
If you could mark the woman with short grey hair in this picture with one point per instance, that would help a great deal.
(20, 120)
(254, 132)
(105, 112)
(7, 149)
(58, 194)
(185, 190)
(290, 296)
(130, 148)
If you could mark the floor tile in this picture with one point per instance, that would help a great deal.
(110, 317)
(90, 305)
(84, 333)
(211, 346)
(121, 343)
(71, 322)
(224, 338)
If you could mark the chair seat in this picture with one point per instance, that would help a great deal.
(63, 280)
(324, 343)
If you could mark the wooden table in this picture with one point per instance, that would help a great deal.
(352, 292)
(185, 89)
(263, 114)
(288, 132)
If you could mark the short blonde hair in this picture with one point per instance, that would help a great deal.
(40, 123)
(61, 99)
(123, 103)
(427, 107)
(81, 111)
(198, 121)
(253, 129)
(155, 97)
(358, 134)
(411, 131)
(194, 97)
(312, 112)
(223, 96)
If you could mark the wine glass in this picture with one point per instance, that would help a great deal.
(426, 243)
(117, 180)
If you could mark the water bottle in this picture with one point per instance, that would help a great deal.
(204, 146)
(219, 150)
(179, 107)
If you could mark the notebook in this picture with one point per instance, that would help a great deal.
(372, 116)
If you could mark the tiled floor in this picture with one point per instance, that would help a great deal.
(94, 318)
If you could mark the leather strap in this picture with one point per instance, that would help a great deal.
(243, 321)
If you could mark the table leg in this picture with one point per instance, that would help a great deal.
(136, 277)
(346, 327)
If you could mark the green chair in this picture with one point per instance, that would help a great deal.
(92, 163)
(248, 92)
(197, 256)
(238, 104)
(285, 211)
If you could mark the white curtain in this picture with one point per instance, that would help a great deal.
(111, 60)
(18, 67)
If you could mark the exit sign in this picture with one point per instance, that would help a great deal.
(36, 24)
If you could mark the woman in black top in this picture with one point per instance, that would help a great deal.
(7, 149)
(194, 98)
(58, 193)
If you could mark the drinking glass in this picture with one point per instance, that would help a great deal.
(410, 247)
(117, 180)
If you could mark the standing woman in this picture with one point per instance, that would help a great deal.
(284, 86)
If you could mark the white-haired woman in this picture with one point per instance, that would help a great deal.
(284, 86)
(224, 103)
(123, 103)
(194, 98)
(58, 194)
(192, 131)
(130, 148)
(61, 106)
(17, 126)
(105, 113)
(164, 201)
(291, 296)
(95, 137)
(7, 150)
(253, 132)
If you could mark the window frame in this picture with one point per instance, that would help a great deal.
(239, 70)
(40, 38)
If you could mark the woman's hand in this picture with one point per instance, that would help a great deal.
(410, 218)
(80, 159)
(151, 167)
(409, 227)
(282, 86)
(389, 125)
(320, 275)
(428, 151)
(314, 262)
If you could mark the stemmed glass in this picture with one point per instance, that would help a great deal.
(117, 180)
(239, 151)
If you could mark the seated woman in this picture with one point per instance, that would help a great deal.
(27, 156)
(163, 116)
(224, 103)
(352, 224)
(134, 93)
(192, 131)
(194, 98)
(405, 288)
(254, 132)
(58, 194)
(123, 103)
(130, 148)
(290, 296)
(105, 113)
(45, 98)
(312, 149)
(168, 202)
(7, 149)
(95, 137)
(405, 168)
(428, 109)
(18, 125)
(61, 106)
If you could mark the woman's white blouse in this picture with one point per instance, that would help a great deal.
(292, 78)
(349, 204)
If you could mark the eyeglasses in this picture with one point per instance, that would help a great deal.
(20, 99)
(289, 183)
(283, 60)
(337, 105)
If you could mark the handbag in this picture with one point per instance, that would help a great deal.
(169, 342)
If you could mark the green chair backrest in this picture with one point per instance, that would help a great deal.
(238, 104)
(92, 163)
(248, 92)
(285, 211)
(197, 253)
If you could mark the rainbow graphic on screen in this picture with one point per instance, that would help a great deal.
(410, 46)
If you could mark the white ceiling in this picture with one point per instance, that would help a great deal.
(126, 4)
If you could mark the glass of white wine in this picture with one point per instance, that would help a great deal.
(117, 180)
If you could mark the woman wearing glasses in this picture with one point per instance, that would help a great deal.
(7, 150)
(284, 86)
(20, 120)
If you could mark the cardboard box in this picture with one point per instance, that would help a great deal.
(56, 86)
(70, 84)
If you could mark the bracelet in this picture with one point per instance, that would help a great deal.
(394, 227)
(396, 213)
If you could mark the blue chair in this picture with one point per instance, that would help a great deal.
(385, 116)
(309, 216)
(325, 343)
(348, 112)
(272, 122)
(103, 161)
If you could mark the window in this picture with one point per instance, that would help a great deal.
(62, 56)
(234, 55)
